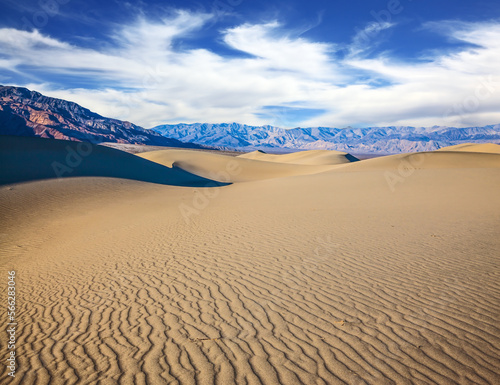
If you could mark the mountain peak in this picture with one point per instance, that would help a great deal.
(29, 113)
(370, 140)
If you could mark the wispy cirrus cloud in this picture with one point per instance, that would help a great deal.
(274, 49)
(365, 40)
(142, 76)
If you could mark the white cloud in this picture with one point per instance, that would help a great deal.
(144, 79)
(16, 39)
(365, 40)
(281, 52)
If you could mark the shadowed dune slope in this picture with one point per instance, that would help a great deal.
(312, 157)
(474, 147)
(228, 168)
(28, 158)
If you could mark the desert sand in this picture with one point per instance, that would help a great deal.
(313, 157)
(185, 267)
(474, 147)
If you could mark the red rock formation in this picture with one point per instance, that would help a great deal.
(29, 113)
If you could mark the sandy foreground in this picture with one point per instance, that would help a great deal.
(185, 267)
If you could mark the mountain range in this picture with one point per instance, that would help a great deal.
(370, 140)
(29, 113)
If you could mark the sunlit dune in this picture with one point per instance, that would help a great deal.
(313, 157)
(229, 169)
(428, 160)
(474, 147)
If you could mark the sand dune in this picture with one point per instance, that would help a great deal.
(312, 157)
(474, 147)
(427, 160)
(228, 168)
(30, 158)
(332, 277)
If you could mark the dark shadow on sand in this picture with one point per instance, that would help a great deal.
(24, 159)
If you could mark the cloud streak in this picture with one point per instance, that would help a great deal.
(142, 77)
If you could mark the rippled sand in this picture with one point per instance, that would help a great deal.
(384, 271)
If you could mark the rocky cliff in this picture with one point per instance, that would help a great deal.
(29, 113)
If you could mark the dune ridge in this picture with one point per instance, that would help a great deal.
(474, 147)
(316, 278)
(428, 160)
(311, 157)
(225, 168)
(26, 159)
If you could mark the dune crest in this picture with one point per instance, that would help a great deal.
(225, 168)
(427, 160)
(474, 147)
(26, 159)
(311, 157)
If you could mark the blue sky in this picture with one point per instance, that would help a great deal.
(285, 63)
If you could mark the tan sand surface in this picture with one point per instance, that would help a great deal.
(426, 160)
(332, 277)
(312, 157)
(474, 147)
(228, 169)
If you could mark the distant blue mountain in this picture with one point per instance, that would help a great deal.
(370, 140)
